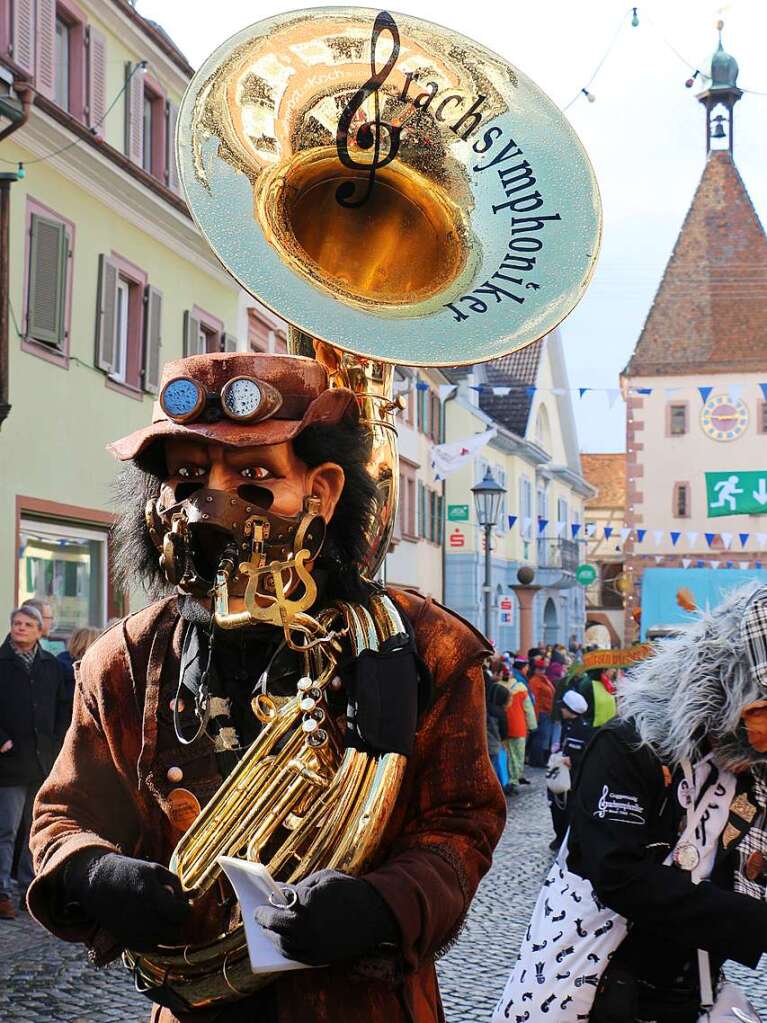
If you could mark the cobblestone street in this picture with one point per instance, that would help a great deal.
(46, 981)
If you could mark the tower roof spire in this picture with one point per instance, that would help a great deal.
(723, 93)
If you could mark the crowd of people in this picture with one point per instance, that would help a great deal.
(542, 710)
(36, 695)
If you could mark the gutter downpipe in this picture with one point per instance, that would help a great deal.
(443, 420)
(26, 94)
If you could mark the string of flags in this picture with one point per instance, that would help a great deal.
(734, 391)
(589, 531)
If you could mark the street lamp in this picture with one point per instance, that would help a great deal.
(487, 502)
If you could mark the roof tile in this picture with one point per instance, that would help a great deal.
(710, 310)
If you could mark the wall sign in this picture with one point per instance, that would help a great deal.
(458, 513)
(585, 574)
(457, 539)
(505, 611)
(736, 493)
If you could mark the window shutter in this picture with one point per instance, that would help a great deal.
(191, 335)
(134, 115)
(23, 34)
(45, 71)
(171, 166)
(97, 87)
(421, 510)
(228, 343)
(106, 314)
(152, 339)
(48, 255)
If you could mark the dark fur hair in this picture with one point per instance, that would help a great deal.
(347, 444)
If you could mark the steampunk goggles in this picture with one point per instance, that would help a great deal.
(243, 399)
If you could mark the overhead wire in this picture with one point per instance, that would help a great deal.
(630, 14)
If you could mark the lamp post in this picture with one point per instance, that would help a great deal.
(488, 495)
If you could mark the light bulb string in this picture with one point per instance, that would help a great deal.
(629, 16)
(97, 124)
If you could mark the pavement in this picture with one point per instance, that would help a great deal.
(43, 980)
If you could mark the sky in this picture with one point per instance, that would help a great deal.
(644, 134)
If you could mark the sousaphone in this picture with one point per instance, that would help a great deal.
(398, 194)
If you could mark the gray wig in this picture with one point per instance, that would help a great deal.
(690, 694)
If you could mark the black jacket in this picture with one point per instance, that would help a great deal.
(35, 711)
(620, 845)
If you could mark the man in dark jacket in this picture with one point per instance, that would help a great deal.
(34, 713)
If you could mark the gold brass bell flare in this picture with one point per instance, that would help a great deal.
(381, 174)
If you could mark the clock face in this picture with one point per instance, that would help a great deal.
(724, 419)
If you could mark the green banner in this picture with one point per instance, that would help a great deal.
(458, 513)
(736, 493)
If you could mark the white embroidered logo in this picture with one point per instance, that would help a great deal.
(623, 809)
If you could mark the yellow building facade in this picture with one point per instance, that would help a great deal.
(108, 279)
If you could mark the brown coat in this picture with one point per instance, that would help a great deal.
(109, 788)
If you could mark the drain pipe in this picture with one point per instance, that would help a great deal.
(26, 94)
(443, 422)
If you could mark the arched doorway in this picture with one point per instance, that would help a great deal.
(550, 623)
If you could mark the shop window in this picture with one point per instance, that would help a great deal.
(65, 564)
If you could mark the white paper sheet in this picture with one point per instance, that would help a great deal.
(252, 886)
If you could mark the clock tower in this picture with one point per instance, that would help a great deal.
(696, 386)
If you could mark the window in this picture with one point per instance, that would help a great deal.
(147, 117)
(563, 515)
(48, 291)
(525, 513)
(499, 474)
(681, 509)
(148, 132)
(407, 500)
(204, 333)
(65, 563)
(542, 512)
(121, 333)
(677, 419)
(128, 326)
(61, 93)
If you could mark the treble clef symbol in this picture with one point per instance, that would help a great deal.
(369, 133)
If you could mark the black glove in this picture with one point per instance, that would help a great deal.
(335, 917)
(141, 904)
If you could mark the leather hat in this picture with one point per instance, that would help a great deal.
(291, 392)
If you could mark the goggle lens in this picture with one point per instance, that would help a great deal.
(182, 399)
(241, 398)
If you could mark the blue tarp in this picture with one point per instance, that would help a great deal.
(708, 586)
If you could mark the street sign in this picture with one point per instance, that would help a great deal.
(585, 574)
(736, 493)
(457, 539)
(458, 513)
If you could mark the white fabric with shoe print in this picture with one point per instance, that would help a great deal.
(572, 936)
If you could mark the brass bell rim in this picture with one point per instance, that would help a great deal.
(393, 335)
